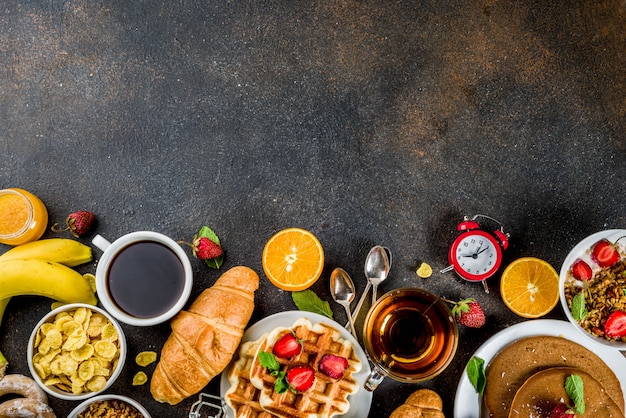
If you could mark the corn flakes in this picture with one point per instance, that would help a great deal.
(91, 280)
(145, 358)
(77, 351)
(139, 379)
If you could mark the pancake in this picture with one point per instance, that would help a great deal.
(544, 390)
(510, 368)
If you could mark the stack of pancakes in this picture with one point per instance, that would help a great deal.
(252, 394)
(527, 378)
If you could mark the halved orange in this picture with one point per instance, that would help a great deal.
(293, 259)
(530, 287)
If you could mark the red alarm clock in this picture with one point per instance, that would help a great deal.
(476, 254)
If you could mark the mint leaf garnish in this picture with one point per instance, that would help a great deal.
(206, 232)
(575, 390)
(307, 300)
(579, 308)
(269, 362)
(281, 385)
(476, 374)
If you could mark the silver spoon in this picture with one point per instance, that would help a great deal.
(377, 266)
(342, 290)
(379, 271)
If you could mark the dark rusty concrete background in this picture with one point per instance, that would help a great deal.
(365, 122)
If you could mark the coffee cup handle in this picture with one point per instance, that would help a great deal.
(100, 242)
(373, 380)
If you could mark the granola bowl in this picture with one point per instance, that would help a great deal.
(121, 406)
(589, 292)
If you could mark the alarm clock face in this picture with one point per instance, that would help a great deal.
(475, 255)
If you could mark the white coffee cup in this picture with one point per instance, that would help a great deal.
(143, 278)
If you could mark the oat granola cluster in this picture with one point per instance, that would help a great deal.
(110, 408)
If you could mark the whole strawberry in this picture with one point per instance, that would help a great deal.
(78, 223)
(468, 312)
(206, 246)
(205, 249)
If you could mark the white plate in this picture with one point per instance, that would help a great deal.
(581, 250)
(360, 402)
(468, 404)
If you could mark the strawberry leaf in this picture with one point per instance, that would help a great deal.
(579, 308)
(575, 390)
(206, 232)
(307, 300)
(476, 374)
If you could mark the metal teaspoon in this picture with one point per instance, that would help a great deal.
(342, 290)
(377, 266)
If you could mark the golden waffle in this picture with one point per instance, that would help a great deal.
(327, 397)
(242, 396)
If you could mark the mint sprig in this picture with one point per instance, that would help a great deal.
(269, 362)
(579, 307)
(307, 300)
(206, 232)
(476, 374)
(575, 389)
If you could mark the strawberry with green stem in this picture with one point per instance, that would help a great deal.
(468, 312)
(206, 246)
(78, 223)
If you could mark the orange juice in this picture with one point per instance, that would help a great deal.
(23, 217)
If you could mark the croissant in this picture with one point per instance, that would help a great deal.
(205, 337)
(423, 403)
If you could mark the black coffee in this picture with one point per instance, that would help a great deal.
(145, 279)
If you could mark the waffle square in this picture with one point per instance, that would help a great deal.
(242, 396)
(328, 397)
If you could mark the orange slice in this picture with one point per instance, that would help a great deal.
(530, 287)
(293, 259)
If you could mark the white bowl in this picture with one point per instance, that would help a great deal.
(581, 251)
(57, 392)
(84, 405)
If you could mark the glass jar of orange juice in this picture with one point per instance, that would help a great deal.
(23, 217)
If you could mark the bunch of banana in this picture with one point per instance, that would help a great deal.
(42, 268)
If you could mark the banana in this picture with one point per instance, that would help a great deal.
(65, 251)
(3, 306)
(44, 278)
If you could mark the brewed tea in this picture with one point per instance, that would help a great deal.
(410, 334)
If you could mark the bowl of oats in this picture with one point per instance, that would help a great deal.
(593, 288)
(76, 351)
(109, 406)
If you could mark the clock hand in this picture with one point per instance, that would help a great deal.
(483, 250)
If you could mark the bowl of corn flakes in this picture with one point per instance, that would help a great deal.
(76, 351)
(113, 405)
